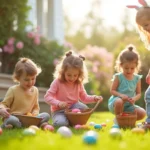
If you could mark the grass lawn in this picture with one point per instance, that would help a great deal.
(44, 140)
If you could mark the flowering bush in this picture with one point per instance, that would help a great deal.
(100, 68)
(31, 44)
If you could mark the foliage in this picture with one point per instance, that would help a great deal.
(99, 62)
(35, 47)
(14, 139)
(16, 41)
(13, 16)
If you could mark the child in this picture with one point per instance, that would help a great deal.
(22, 98)
(143, 24)
(67, 88)
(126, 86)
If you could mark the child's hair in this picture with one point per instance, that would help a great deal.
(25, 65)
(72, 60)
(129, 54)
(143, 13)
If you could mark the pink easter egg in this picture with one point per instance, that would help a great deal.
(48, 128)
(76, 110)
(78, 126)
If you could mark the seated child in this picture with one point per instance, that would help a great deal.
(126, 85)
(22, 98)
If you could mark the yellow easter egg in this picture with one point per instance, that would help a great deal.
(138, 130)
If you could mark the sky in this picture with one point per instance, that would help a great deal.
(111, 10)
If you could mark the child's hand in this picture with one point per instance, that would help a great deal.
(62, 105)
(124, 97)
(148, 79)
(131, 100)
(98, 98)
(4, 112)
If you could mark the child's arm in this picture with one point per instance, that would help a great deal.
(113, 90)
(148, 77)
(88, 98)
(4, 111)
(138, 93)
(36, 108)
(51, 94)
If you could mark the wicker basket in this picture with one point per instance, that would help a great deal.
(28, 120)
(79, 118)
(127, 121)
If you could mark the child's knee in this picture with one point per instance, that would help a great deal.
(45, 117)
(118, 103)
(14, 121)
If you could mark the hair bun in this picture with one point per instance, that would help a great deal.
(69, 53)
(130, 48)
(82, 57)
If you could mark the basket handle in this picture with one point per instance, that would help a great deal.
(96, 105)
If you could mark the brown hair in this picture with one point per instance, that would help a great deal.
(129, 54)
(71, 60)
(25, 65)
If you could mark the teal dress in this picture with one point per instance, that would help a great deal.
(127, 87)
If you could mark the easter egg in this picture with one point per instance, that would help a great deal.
(85, 127)
(115, 126)
(48, 128)
(29, 131)
(1, 131)
(90, 137)
(97, 126)
(29, 114)
(64, 131)
(103, 124)
(76, 110)
(125, 114)
(34, 127)
(78, 126)
(139, 124)
(138, 130)
(92, 123)
(115, 133)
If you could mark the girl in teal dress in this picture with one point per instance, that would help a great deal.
(126, 85)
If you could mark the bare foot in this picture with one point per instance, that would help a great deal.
(8, 126)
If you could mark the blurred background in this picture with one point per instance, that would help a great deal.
(44, 30)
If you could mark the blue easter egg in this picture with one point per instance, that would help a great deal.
(115, 126)
(90, 137)
(97, 126)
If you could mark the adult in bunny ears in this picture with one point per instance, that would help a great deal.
(143, 26)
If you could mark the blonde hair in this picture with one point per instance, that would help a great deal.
(143, 14)
(129, 54)
(25, 65)
(71, 60)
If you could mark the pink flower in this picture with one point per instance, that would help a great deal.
(11, 49)
(37, 40)
(30, 35)
(5, 48)
(8, 49)
(20, 45)
(55, 62)
(11, 41)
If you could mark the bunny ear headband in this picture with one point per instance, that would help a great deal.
(142, 2)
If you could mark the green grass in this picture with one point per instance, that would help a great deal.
(14, 139)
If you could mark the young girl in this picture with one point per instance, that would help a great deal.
(143, 25)
(126, 86)
(22, 98)
(67, 88)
